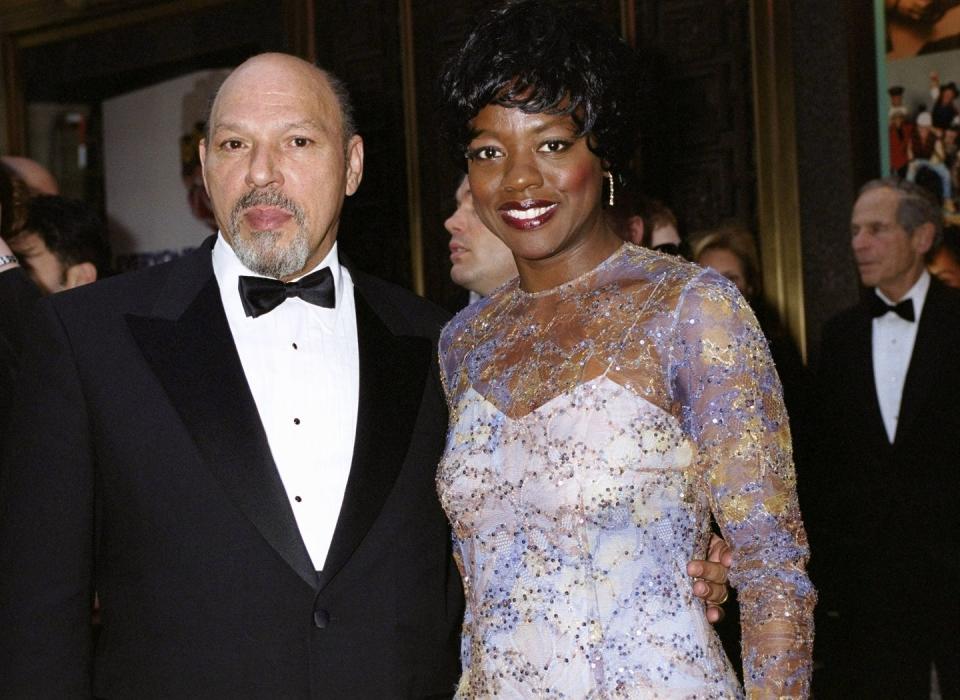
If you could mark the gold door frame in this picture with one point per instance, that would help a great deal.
(778, 199)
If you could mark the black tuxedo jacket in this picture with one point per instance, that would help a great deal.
(140, 469)
(870, 503)
(17, 295)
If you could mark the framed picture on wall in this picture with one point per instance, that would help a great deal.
(918, 66)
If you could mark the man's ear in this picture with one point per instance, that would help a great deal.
(202, 150)
(354, 164)
(635, 229)
(922, 237)
(79, 275)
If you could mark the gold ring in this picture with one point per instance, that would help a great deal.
(726, 595)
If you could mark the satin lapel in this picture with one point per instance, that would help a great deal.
(191, 350)
(928, 353)
(865, 383)
(393, 371)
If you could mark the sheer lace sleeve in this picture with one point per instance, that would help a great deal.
(456, 336)
(725, 382)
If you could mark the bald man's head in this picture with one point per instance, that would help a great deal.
(336, 86)
(278, 162)
(36, 177)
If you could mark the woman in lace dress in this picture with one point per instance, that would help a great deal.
(602, 406)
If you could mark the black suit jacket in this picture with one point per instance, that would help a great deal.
(869, 502)
(17, 295)
(141, 470)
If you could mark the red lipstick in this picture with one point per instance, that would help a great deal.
(528, 214)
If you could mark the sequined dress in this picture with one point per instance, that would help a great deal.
(593, 429)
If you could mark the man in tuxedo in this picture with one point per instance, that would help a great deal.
(236, 450)
(247, 484)
(884, 480)
(16, 290)
(17, 293)
(479, 261)
(61, 244)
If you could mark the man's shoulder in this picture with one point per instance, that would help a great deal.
(940, 318)
(845, 330)
(14, 281)
(944, 298)
(133, 291)
(846, 318)
(400, 309)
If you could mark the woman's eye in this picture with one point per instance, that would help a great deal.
(483, 153)
(554, 146)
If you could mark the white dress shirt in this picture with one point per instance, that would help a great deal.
(302, 364)
(893, 339)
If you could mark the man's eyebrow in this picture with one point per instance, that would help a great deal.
(288, 126)
(305, 124)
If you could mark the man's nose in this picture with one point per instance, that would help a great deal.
(455, 223)
(858, 240)
(264, 169)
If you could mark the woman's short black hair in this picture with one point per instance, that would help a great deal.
(551, 56)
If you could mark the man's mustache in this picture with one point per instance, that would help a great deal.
(268, 198)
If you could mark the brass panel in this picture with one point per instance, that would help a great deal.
(628, 22)
(300, 20)
(778, 206)
(408, 69)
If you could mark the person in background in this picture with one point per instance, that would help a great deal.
(61, 243)
(944, 111)
(17, 292)
(951, 155)
(945, 262)
(883, 474)
(479, 261)
(651, 224)
(926, 151)
(191, 173)
(14, 195)
(900, 133)
(38, 179)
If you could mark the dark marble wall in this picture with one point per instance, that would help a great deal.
(837, 145)
(696, 154)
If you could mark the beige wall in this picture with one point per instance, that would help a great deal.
(146, 199)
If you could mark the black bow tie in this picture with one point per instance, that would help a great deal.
(878, 307)
(262, 294)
